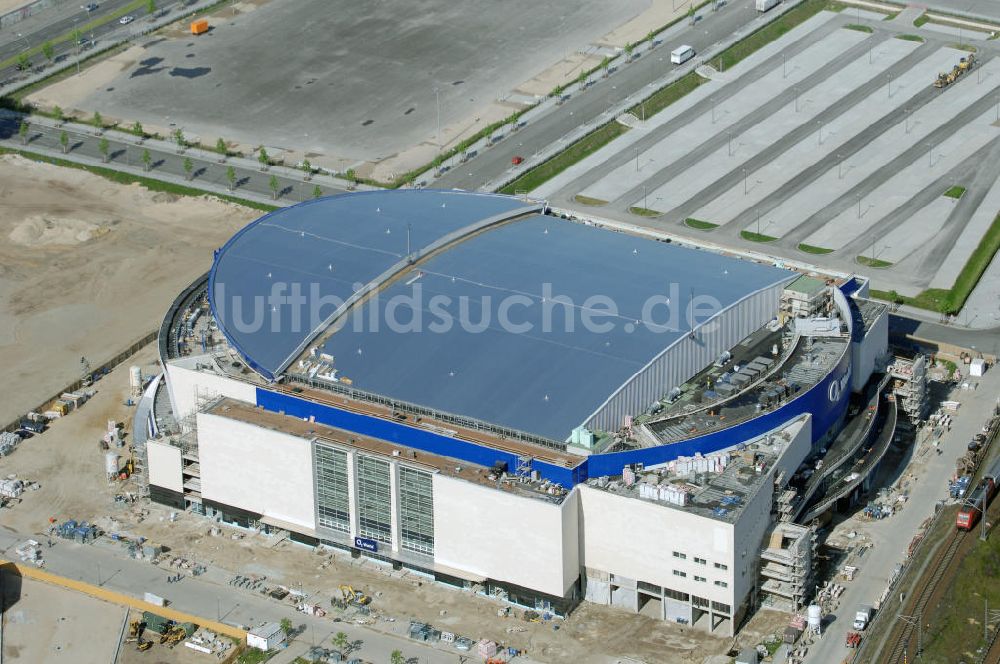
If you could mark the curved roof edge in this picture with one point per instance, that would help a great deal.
(369, 287)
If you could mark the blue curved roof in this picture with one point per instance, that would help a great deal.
(545, 380)
(323, 250)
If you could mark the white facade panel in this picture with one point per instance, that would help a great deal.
(499, 535)
(868, 352)
(256, 469)
(637, 539)
(164, 462)
(187, 384)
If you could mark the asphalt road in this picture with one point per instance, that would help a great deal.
(207, 171)
(592, 105)
(60, 23)
(210, 597)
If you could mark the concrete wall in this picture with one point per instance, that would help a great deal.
(505, 537)
(164, 463)
(868, 351)
(256, 469)
(636, 539)
(186, 384)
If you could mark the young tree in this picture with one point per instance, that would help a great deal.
(23, 61)
(307, 168)
(263, 158)
(221, 147)
(231, 177)
(396, 657)
(286, 626)
(22, 131)
(98, 121)
(64, 141)
(137, 129)
(147, 160)
(188, 168)
(103, 147)
(340, 642)
(274, 186)
(151, 7)
(351, 175)
(317, 191)
(49, 51)
(179, 140)
(57, 113)
(691, 15)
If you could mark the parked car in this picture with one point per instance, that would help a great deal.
(125, 20)
(89, 7)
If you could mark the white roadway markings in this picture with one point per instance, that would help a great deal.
(839, 178)
(702, 92)
(769, 178)
(726, 113)
(904, 185)
(795, 114)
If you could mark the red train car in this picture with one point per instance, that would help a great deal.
(977, 503)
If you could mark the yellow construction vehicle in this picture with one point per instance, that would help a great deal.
(941, 81)
(356, 597)
(135, 628)
(143, 646)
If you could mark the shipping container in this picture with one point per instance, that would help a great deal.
(199, 27)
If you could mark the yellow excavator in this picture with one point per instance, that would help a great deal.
(356, 597)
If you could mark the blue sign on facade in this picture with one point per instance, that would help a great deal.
(366, 544)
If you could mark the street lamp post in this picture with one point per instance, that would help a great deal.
(840, 167)
(637, 160)
(796, 91)
(437, 100)
(784, 72)
(744, 182)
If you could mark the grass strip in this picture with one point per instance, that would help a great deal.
(587, 200)
(770, 32)
(149, 183)
(908, 37)
(955, 192)
(756, 237)
(859, 27)
(667, 95)
(920, 20)
(876, 263)
(84, 29)
(550, 168)
(812, 249)
(644, 212)
(699, 224)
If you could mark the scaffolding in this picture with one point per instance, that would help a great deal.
(910, 386)
(786, 567)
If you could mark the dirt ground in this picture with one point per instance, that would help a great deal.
(87, 266)
(50, 624)
(66, 460)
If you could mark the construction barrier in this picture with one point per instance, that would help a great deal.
(120, 598)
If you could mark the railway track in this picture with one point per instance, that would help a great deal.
(918, 604)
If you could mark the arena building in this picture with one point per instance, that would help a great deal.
(540, 408)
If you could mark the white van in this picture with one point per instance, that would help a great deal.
(681, 54)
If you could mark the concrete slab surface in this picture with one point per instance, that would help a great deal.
(831, 185)
(353, 79)
(726, 113)
(980, 221)
(774, 174)
(904, 185)
(760, 136)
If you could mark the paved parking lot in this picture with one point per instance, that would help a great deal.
(830, 138)
(355, 80)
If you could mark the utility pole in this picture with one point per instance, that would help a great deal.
(915, 621)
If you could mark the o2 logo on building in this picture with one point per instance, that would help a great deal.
(837, 387)
(366, 544)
